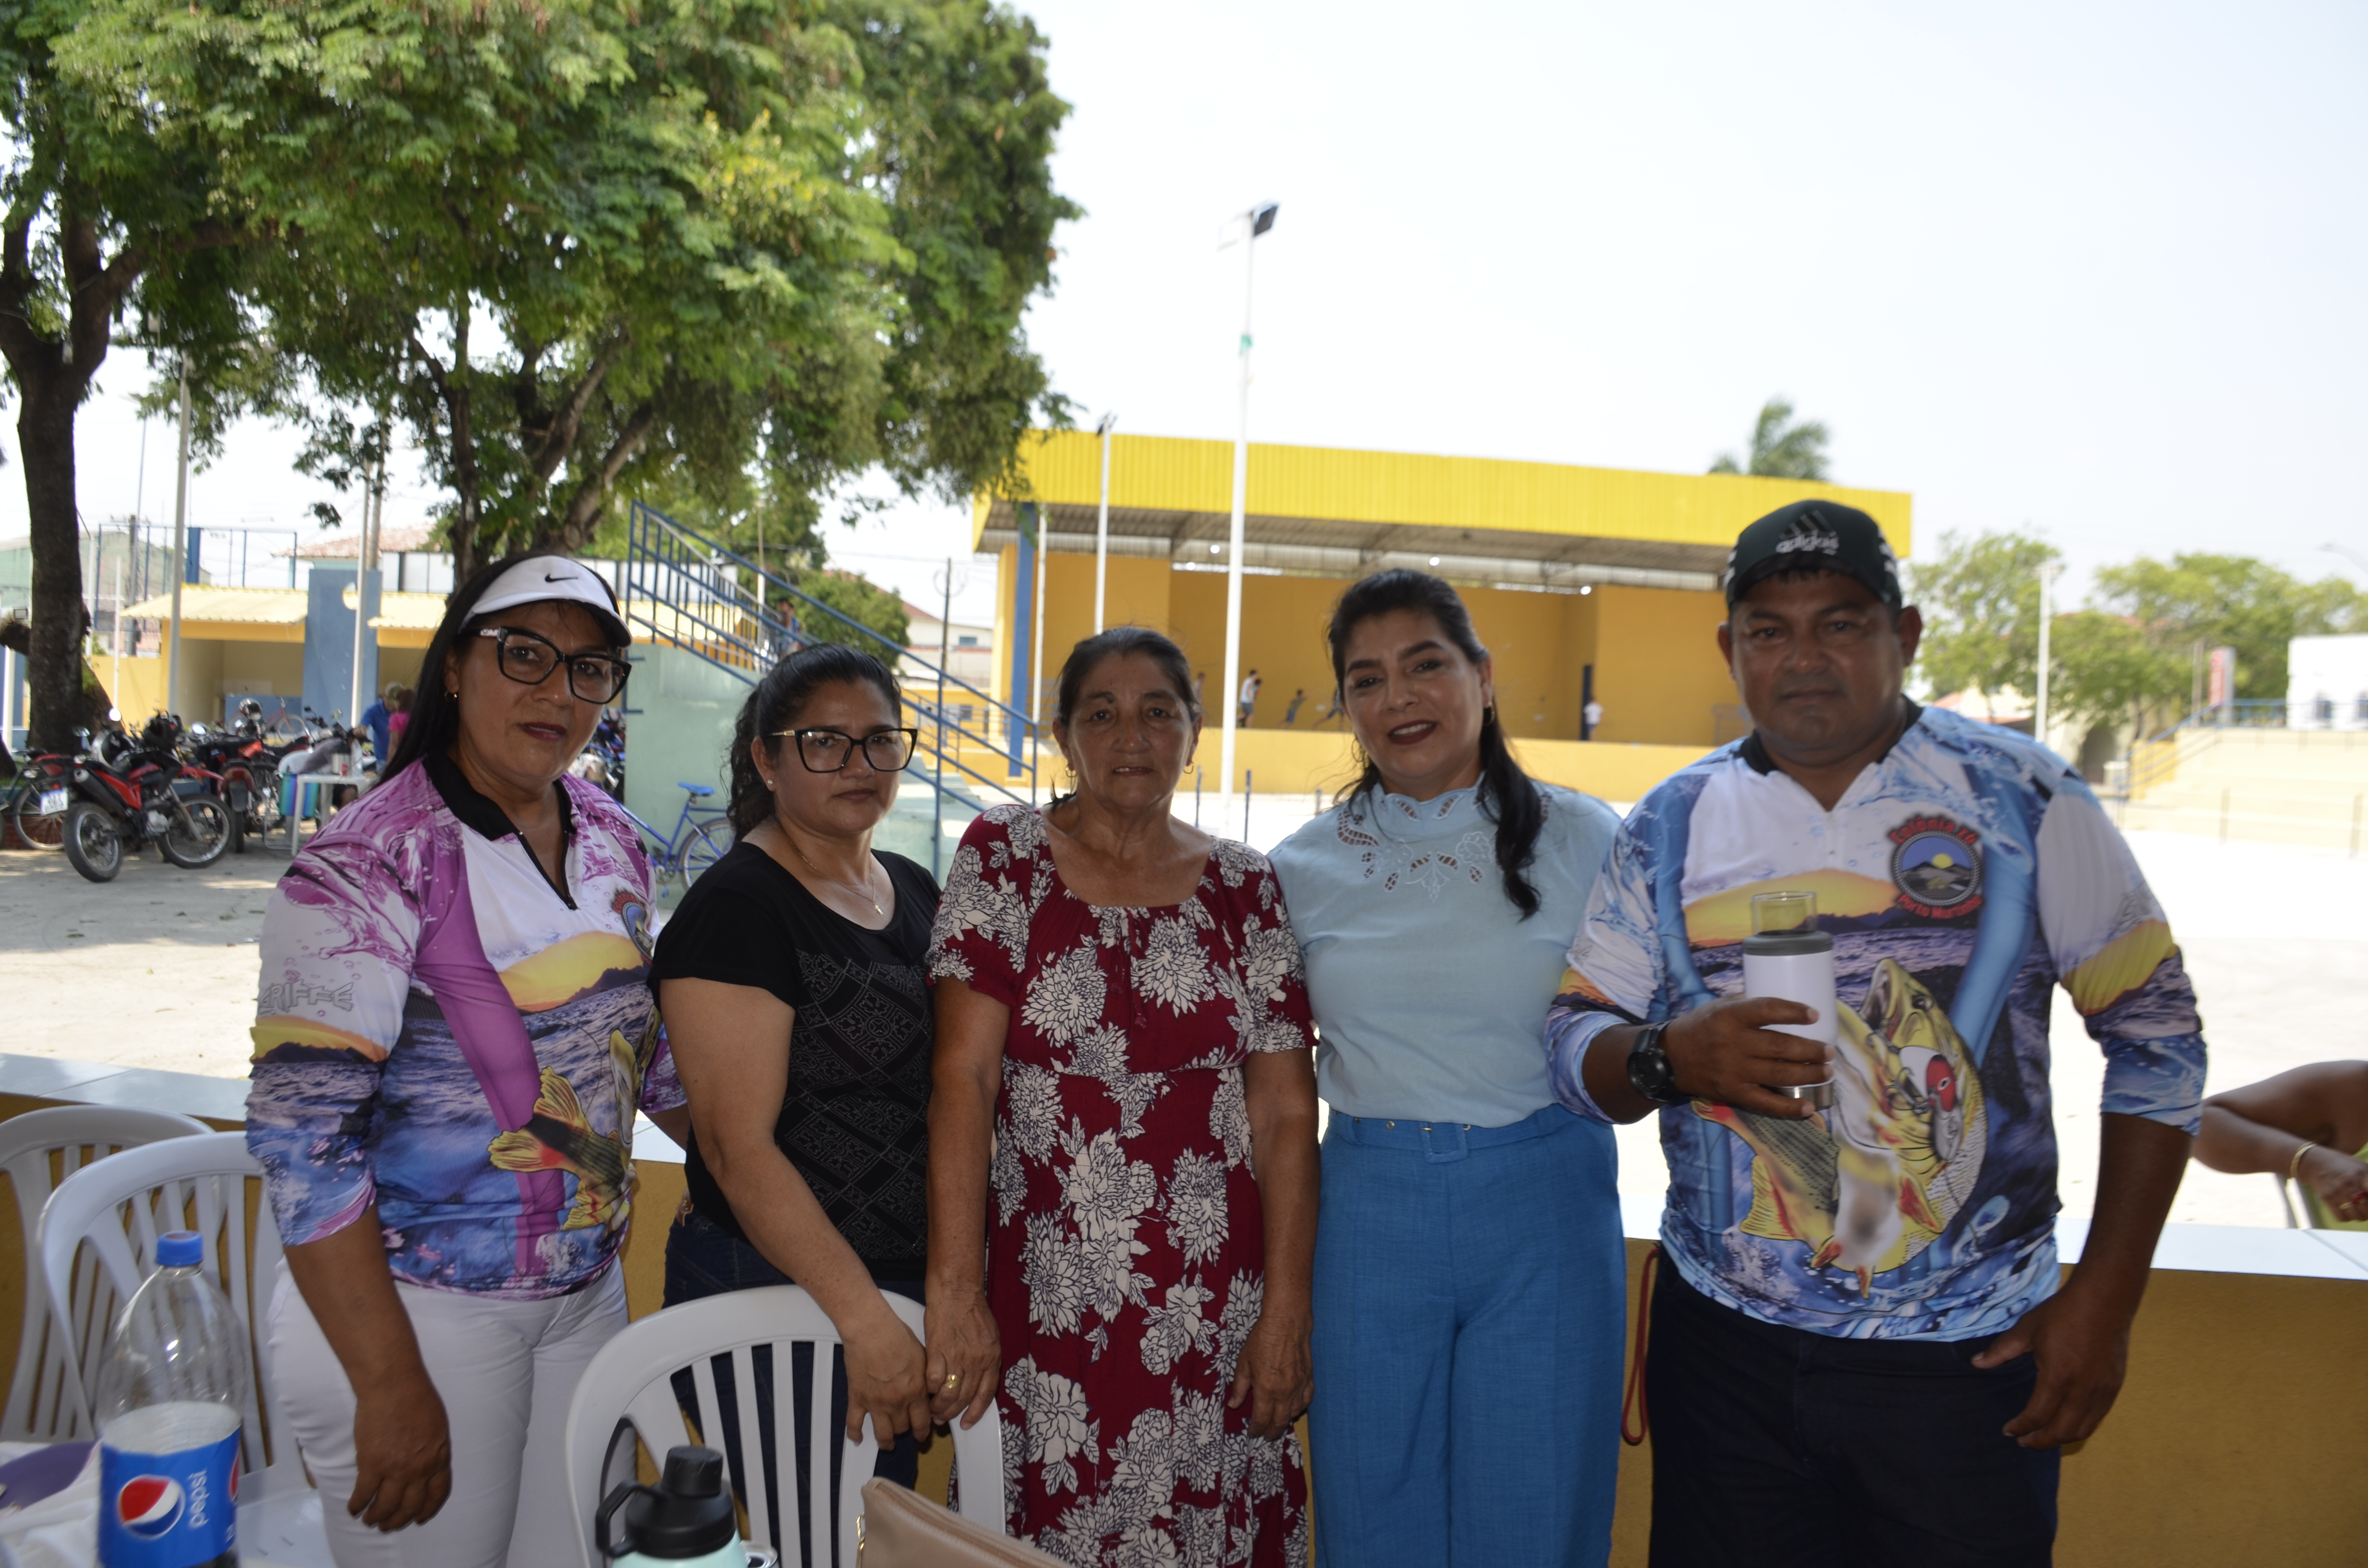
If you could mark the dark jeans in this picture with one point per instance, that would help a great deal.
(704, 1259)
(1775, 1447)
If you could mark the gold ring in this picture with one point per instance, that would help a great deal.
(952, 1381)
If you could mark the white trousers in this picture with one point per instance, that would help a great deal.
(506, 1371)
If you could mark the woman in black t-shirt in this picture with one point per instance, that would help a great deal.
(790, 984)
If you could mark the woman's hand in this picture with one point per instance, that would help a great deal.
(2338, 1178)
(1276, 1374)
(965, 1356)
(885, 1378)
(403, 1451)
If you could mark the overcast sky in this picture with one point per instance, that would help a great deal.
(2095, 270)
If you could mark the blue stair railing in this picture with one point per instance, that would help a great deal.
(689, 592)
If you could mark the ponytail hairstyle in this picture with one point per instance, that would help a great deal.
(775, 705)
(1506, 796)
(435, 726)
(1117, 643)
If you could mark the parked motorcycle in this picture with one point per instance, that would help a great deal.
(134, 793)
(602, 760)
(249, 768)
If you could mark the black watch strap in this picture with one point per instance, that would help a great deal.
(1649, 1073)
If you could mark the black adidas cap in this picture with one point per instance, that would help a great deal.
(1814, 536)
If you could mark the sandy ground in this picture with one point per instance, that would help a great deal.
(157, 970)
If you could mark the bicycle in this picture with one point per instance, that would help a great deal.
(697, 842)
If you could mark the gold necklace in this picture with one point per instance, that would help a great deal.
(863, 893)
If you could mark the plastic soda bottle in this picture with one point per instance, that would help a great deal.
(170, 1394)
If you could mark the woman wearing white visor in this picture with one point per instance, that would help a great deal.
(453, 1032)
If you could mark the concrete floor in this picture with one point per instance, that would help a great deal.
(157, 970)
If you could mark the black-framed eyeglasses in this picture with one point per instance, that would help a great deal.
(827, 751)
(529, 658)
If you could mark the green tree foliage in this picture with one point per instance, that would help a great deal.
(2234, 600)
(1980, 600)
(733, 251)
(98, 219)
(1781, 447)
(860, 600)
(2105, 669)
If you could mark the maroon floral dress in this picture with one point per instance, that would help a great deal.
(1126, 1256)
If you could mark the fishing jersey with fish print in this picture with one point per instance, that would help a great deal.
(1963, 876)
(445, 1032)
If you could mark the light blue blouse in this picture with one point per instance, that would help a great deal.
(1430, 990)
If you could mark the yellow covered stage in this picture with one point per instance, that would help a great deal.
(1582, 581)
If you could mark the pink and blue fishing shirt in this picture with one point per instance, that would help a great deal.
(444, 1031)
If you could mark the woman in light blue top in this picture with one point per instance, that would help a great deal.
(1468, 1265)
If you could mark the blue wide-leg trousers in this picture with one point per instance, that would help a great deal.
(1468, 1333)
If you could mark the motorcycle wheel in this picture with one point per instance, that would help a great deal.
(92, 842)
(38, 829)
(199, 834)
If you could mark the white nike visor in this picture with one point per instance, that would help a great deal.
(542, 577)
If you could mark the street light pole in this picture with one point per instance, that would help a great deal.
(2048, 573)
(1101, 531)
(180, 560)
(1254, 222)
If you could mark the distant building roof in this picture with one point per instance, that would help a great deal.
(345, 546)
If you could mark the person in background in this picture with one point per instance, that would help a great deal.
(1856, 1310)
(1468, 1263)
(453, 1032)
(1249, 703)
(791, 985)
(374, 718)
(1121, 1026)
(1291, 714)
(398, 715)
(2309, 1126)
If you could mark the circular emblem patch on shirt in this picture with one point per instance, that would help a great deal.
(1937, 864)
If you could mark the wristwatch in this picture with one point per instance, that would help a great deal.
(1649, 1073)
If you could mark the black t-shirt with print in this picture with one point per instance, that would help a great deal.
(855, 1120)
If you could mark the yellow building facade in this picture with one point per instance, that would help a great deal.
(1578, 579)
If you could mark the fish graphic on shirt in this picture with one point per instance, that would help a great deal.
(1875, 1179)
(558, 1136)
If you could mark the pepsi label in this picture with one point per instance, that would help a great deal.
(169, 1510)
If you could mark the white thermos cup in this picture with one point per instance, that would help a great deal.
(1787, 956)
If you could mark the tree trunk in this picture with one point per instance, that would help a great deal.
(52, 376)
(45, 424)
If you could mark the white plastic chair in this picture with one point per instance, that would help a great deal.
(628, 1392)
(40, 1408)
(117, 1209)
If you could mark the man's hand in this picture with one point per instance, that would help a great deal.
(1723, 1052)
(2081, 1343)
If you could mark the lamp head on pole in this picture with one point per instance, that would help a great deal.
(1250, 225)
(1109, 424)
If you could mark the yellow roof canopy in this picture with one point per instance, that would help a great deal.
(283, 607)
(1341, 513)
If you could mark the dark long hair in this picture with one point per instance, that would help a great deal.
(435, 716)
(1506, 795)
(1117, 644)
(775, 705)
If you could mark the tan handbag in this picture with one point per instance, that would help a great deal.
(902, 1529)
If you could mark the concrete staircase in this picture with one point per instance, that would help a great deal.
(2307, 787)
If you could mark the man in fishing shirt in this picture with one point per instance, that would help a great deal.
(1860, 1352)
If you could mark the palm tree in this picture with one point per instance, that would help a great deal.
(1781, 449)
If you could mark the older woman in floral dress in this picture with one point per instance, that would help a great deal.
(1122, 1022)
